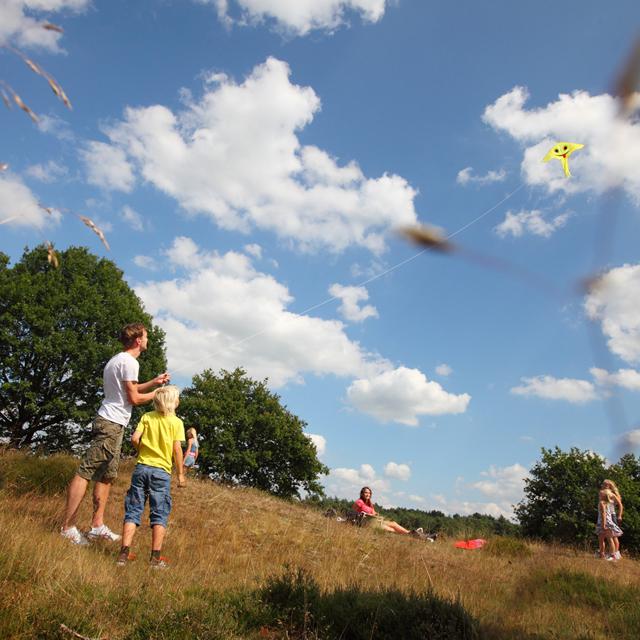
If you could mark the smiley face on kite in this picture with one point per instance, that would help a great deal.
(562, 151)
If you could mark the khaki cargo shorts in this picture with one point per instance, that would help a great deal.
(101, 460)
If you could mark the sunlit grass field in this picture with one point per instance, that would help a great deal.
(247, 565)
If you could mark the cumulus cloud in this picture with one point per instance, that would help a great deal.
(235, 157)
(465, 177)
(49, 172)
(319, 441)
(351, 297)
(630, 441)
(132, 218)
(625, 378)
(517, 224)
(579, 117)
(145, 262)
(300, 16)
(254, 250)
(223, 313)
(503, 482)
(613, 302)
(398, 471)
(444, 370)
(402, 395)
(569, 389)
(345, 482)
(467, 508)
(21, 21)
(107, 167)
(18, 205)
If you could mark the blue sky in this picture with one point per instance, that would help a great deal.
(250, 161)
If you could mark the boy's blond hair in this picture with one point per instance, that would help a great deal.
(166, 399)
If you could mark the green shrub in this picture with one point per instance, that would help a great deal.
(23, 473)
(507, 547)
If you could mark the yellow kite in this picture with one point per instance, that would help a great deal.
(562, 151)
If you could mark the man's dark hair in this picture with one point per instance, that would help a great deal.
(131, 333)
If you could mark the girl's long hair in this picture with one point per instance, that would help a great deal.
(610, 484)
(367, 501)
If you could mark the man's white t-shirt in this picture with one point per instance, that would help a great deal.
(116, 407)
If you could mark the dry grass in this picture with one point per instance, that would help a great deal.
(223, 540)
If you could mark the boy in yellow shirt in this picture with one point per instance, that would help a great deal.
(158, 438)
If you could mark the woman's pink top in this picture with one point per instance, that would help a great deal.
(361, 506)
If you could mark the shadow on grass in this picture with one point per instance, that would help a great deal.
(301, 611)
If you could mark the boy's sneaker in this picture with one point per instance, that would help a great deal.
(159, 563)
(124, 557)
(617, 556)
(103, 533)
(74, 535)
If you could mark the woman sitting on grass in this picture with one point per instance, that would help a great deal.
(365, 506)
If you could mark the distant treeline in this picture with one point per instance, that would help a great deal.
(476, 525)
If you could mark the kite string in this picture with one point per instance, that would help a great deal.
(362, 284)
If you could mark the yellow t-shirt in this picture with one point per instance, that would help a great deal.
(159, 432)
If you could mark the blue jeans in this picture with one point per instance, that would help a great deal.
(155, 484)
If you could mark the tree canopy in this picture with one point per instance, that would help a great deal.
(248, 436)
(561, 496)
(58, 328)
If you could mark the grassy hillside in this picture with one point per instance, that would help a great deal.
(247, 565)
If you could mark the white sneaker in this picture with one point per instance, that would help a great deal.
(617, 556)
(74, 536)
(104, 533)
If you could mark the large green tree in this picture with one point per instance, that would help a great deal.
(248, 436)
(58, 328)
(561, 496)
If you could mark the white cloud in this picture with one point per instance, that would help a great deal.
(254, 250)
(107, 167)
(402, 395)
(223, 313)
(503, 486)
(48, 173)
(613, 301)
(505, 483)
(416, 498)
(350, 297)
(444, 370)
(299, 17)
(344, 482)
(21, 21)
(145, 262)
(55, 126)
(625, 378)
(397, 471)
(579, 117)
(235, 157)
(465, 177)
(569, 389)
(533, 222)
(630, 440)
(132, 218)
(467, 508)
(18, 205)
(319, 441)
